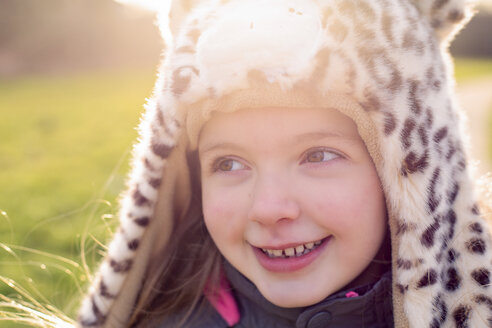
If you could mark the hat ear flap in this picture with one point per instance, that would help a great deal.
(446, 17)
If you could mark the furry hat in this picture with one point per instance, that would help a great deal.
(381, 62)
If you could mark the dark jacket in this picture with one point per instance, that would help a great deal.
(372, 309)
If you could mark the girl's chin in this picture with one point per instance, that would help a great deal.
(298, 297)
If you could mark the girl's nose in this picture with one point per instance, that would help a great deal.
(272, 201)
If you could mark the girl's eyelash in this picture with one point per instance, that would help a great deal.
(217, 162)
(304, 157)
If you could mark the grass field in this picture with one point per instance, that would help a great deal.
(470, 68)
(65, 144)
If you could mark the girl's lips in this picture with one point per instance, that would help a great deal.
(289, 264)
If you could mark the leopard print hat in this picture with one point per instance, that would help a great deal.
(383, 63)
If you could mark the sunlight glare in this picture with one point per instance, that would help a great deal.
(145, 4)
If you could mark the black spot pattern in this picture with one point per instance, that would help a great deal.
(401, 288)
(440, 134)
(438, 4)
(452, 280)
(453, 193)
(406, 132)
(103, 290)
(410, 42)
(429, 118)
(162, 121)
(461, 316)
(455, 16)
(121, 266)
(142, 221)
(396, 80)
(452, 255)
(156, 182)
(432, 81)
(424, 138)
(481, 276)
(160, 149)
(100, 318)
(389, 123)
(476, 227)
(429, 278)
(133, 245)
(484, 299)
(451, 150)
(414, 163)
(404, 264)
(451, 219)
(436, 23)
(441, 309)
(433, 199)
(427, 238)
(181, 80)
(435, 323)
(148, 165)
(476, 245)
(413, 99)
(140, 200)
(160, 117)
(377, 60)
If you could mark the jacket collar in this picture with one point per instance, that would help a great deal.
(372, 308)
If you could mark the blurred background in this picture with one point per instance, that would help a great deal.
(74, 75)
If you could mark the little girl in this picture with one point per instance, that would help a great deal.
(301, 164)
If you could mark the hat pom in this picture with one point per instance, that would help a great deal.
(446, 17)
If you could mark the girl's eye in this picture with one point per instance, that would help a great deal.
(318, 156)
(227, 165)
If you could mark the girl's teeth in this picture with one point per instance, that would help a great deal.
(277, 252)
(292, 251)
(289, 251)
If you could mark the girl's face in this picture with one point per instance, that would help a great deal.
(292, 200)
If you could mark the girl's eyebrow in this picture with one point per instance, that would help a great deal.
(324, 134)
(213, 146)
(296, 139)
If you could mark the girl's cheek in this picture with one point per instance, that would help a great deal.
(220, 211)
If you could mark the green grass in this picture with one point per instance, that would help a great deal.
(64, 152)
(65, 143)
(468, 69)
(471, 68)
(490, 133)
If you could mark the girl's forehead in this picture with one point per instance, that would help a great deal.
(287, 124)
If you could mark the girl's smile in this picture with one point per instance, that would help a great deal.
(288, 259)
(292, 199)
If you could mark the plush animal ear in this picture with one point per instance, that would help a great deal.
(170, 16)
(447, 17)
